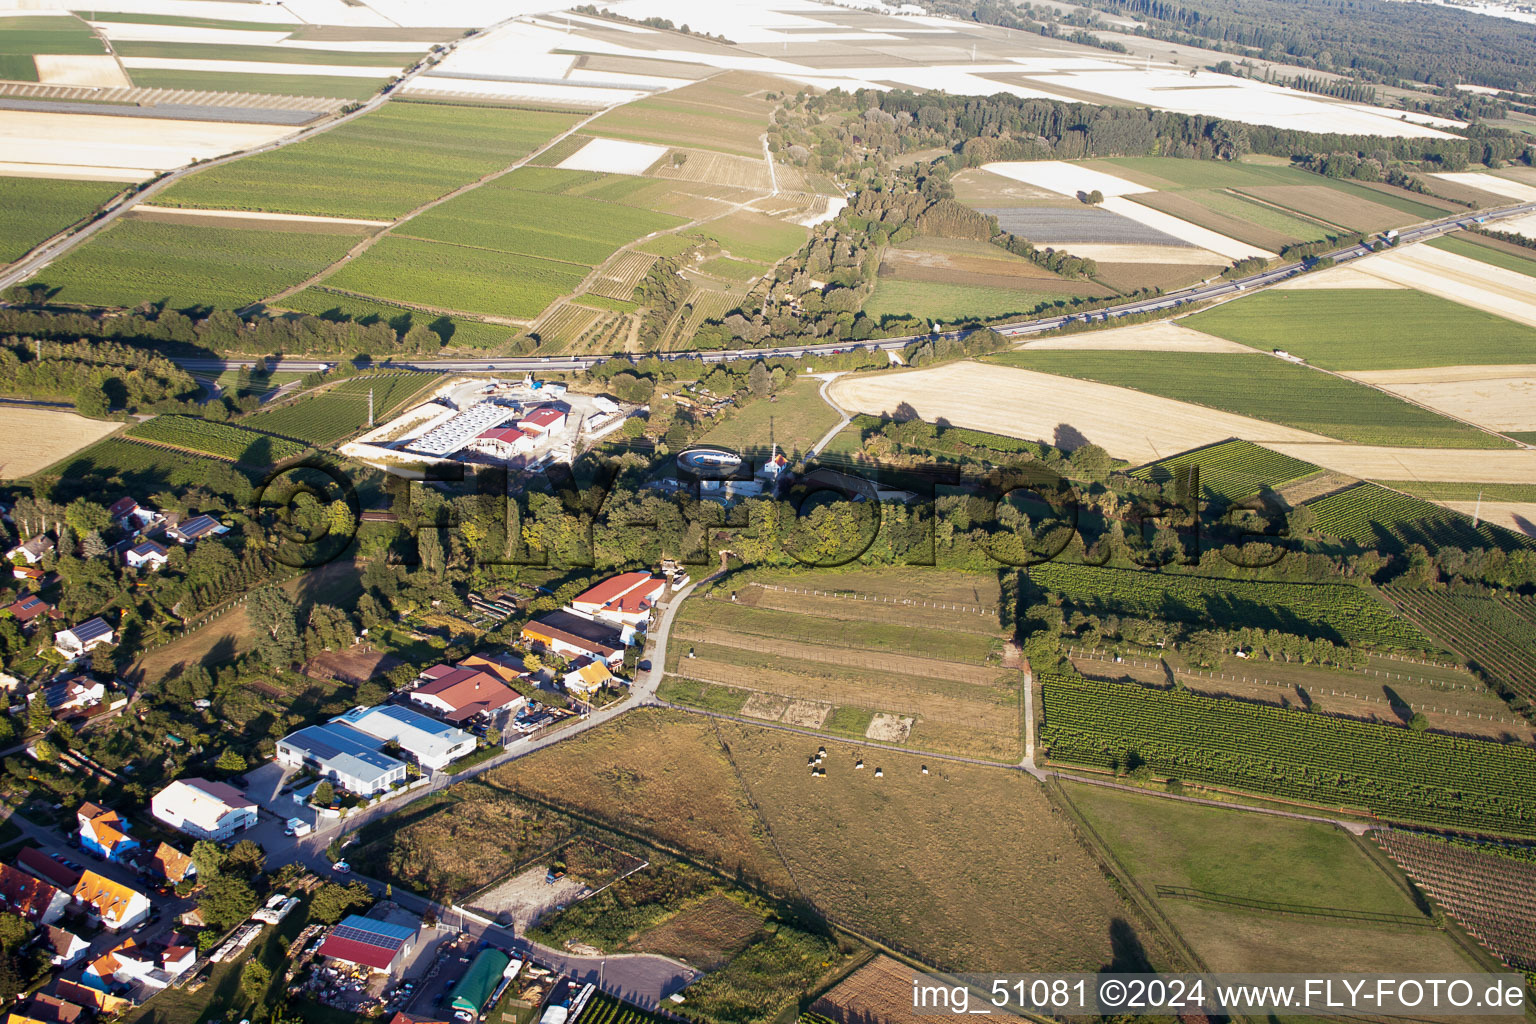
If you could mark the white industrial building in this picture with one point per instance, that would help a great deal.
(432, 744)
(455, 433)
(344, 755)
(203, 809)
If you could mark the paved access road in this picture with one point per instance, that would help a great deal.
(1168, 302)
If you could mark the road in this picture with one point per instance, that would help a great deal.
(1169, 302)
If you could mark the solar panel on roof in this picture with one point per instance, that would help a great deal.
(373, 933)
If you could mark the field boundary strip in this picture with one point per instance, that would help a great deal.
(851, 595)
(1094, 654)
(1181, 892)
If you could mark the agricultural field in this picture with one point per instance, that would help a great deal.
(35, 209)
(382, 165)
(1496, 633)
(881, 990)
(752, 236)
(338, 411)
(24, 35)
(546, 224)
(1379, 519)
(1448, 275)
(726, 113)
(456, 332)
(1230, 471)
(1470, 246)
(190, 266)
(1368, 329)
(896, 296)
(219, 440)
(852, 665)
(116, 464)
(795, 418)
(458, 278)
(966, 262)
(1491, 896)
(1389, 771)
(1463, 492)
(1266, 389)
(1234, 216)
(1338, 612)
(327, 86)
(1323, 887)
(604, 1009)
(37, 438)
(129, 48)
(1498, 397)
(933, 862)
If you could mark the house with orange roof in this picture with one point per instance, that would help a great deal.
(171, 864)
(120, 967)
(116, 905)
(104, 832)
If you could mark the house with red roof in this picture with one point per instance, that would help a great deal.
(38, 864)
(29, 898)
(546, 419)
(463, 694)
(28, 608)
(625, 600)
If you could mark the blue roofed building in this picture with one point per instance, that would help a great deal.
(431, 743)
(348, 757)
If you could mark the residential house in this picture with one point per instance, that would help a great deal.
(171, 864)
(131, 516)
(31, 551)
(545, 419)
(38, 864)
(62, 948)
(507, 667)
(46, 1009)
(116, 905)
(104, 1003)
(571, 636)
(29, 898)
(76, 693)
(104, 832)
(77, 641)
(378, 946)
(29, 574)
(348, 757)
(584, 681)
(432, 744)
(146, 555)
(465, 694)
(624, 601)
(195, 529)
(28, 608)
(127, 964)
(176, 960)
(203, 809)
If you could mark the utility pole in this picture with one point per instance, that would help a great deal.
(370, 407)
(1478, 511)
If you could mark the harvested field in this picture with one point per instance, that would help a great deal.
(1128, 277)
(1161, 336)
(1450, 464)
(1331, 206)
(707, 934)
(98, 71)
(852, 606)
(1157, 255)
(1498, 397)
(193, 216)
(1451, 276)
(933, 862)
(1517, 190)
(1516, 516)
(977, 186)
(38, 437)
(101, 141)
(613, 156)
(716, 169)
(1347, 277)
(1493, 251)
(1036, 406)
(880, 991)
(755, 237)
(1247, 856)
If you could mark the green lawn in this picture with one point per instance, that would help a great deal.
(33, 209)
(1486, 254)
(379, 166)
(329, 86)
(189, 265)
(456, 331)
(568, 228)
(798, 418)
(753, 236)
(458, 277)
(1369, 329)
(932, 301)
(267, 54)
(1267, 389)
(28, 34)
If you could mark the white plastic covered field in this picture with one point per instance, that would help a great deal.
(613, 156)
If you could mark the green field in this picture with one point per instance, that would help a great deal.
(380, 166)
(456, 331)
(726, 113)
(1337, 612)
(796, 418)
(1369, 329)
(1292, 753)
(24, 35)
(328, 86)
(265, 54)
(1466, 246)
(221, 440)
(1232, 470)
(1437, 491)
(336, 412)
(932, 300)
(753, 236)
(189, 265)
(504, 217)
(1267, 389)
(458, 277)
(1380, 519)
(33, 209)
(1306, 865)
(1264, 216)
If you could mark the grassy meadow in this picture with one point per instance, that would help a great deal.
(796, 418)
(328, 86)
(951, 302)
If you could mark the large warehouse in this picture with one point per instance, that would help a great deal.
(431, 743)
(346, 756)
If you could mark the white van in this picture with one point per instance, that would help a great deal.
(298, 827)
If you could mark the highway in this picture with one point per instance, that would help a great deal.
(1169, 301)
